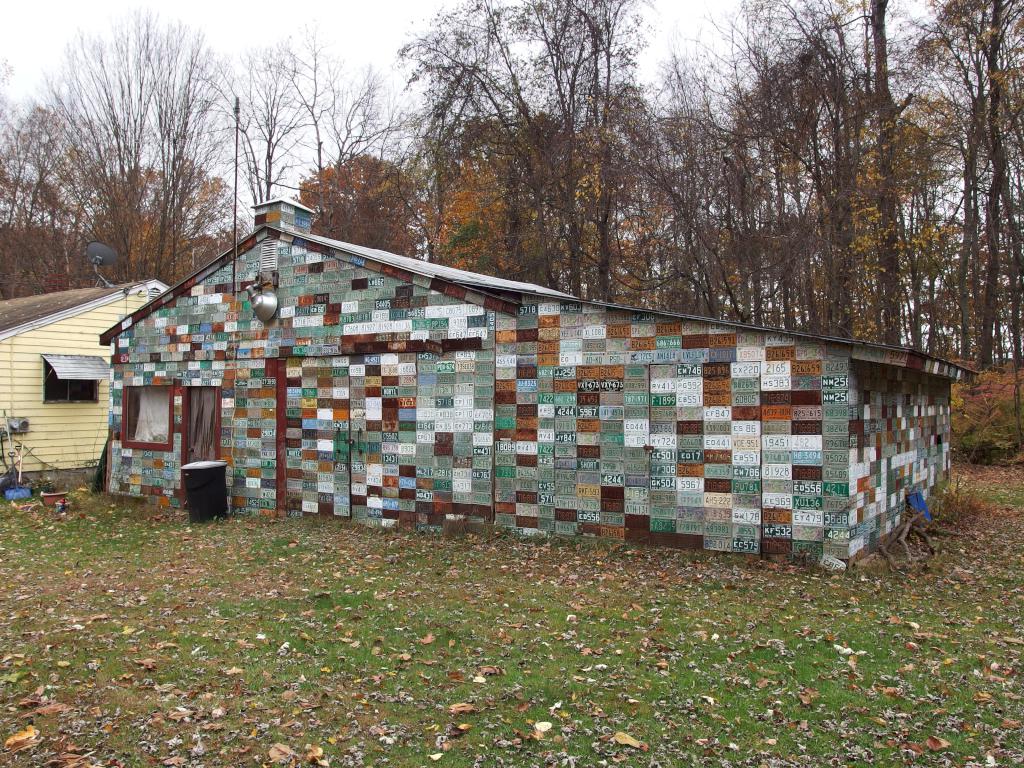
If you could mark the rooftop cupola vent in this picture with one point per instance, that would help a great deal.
(284, 214)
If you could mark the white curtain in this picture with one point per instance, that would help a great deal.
(151, 423)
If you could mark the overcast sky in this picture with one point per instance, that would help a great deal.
(361, 32)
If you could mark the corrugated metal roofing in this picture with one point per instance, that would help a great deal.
(88, 367)
(430, 269)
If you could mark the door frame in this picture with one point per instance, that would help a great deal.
(186, 409)
(279, 366)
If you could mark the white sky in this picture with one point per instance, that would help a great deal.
(361, 33)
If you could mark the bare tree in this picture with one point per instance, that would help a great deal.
(39, 238)
(344, 116)
(137, 109)
(541, 90)
(272, 120)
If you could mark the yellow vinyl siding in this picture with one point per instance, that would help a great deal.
(61, 435)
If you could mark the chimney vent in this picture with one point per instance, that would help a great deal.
(284, 214)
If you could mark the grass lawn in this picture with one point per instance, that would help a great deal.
(128, 638)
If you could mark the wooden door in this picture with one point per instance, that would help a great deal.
(203, 418)
(359, 442)
(342, 435)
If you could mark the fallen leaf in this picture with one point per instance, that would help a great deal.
(315, 755)
(436, 756)
(233, 671)
(280, 753)
(149, 664)
(807, 695)
(24, 739)
(935, 744)
(623, 738)
(543, 726)
(461, 708)
(427, 639)
(51, 709)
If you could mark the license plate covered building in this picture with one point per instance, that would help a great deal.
(397, 392)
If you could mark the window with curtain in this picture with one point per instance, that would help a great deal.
(146, 416)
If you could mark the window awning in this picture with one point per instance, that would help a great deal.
(88, 367)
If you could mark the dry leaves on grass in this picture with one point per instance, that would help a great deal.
(623, 738)
(281, 753)
(315, 755)
(45, 710)
(23, 739)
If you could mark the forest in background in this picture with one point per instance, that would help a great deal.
(833, 166)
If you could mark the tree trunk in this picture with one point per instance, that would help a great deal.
(990, 305)
(886, 115)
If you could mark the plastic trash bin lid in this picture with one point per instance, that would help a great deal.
(204, 464)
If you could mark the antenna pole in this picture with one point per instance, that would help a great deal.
(234, 208)
(103, 282)
(233, 348)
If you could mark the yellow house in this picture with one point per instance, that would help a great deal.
(54, 374)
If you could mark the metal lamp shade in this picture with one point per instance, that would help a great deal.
(264, 306)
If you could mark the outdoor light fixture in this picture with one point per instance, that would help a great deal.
(264, 302)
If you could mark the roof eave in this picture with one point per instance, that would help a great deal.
(78, 309)
(174, 291)
(802, 334)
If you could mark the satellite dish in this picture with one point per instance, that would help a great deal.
(100, 254)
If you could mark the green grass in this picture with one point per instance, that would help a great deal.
(181, 645)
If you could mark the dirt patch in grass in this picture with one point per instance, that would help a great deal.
(136, 640)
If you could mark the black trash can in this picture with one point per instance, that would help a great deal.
(206, 489)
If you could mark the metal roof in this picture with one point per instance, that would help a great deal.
(489, 283)
(477, 280)
(849, 340)
(88, 367)
(430, 269)
(286, 200)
